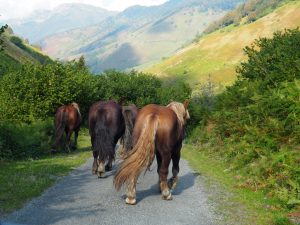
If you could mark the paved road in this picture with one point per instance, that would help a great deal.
(82, 198)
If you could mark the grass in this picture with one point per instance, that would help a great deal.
(237, 205)
(217, 54)
(23, 180)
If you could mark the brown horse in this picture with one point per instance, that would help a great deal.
(106, 126)
(158, 130)
(67, 119)
(129, 113)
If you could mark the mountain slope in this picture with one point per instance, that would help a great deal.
(16, 52)
(137, 35)
(64, 17)
(217, 54)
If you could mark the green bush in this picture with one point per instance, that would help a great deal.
(19, 140)
(256, 125)
(36, 91)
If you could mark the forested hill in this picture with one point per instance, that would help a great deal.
(217, 54)
(16, 51)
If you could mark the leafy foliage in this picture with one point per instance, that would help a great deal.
(2, 30)
(25, 140)
(255, 123)
(274, 61)
(34, 92)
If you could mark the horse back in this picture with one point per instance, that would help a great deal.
(167, 129)
(110, 115)
(69, 116)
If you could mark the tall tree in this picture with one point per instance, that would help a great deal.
(2, 30)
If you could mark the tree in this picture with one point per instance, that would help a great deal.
(274, 60)
(81, 62)
(2, 30)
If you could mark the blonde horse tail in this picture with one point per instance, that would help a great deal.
(141, 156)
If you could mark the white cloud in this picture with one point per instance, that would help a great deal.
(21, 8)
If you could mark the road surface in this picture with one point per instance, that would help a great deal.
(82, 198)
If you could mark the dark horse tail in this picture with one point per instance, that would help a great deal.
(141, 156)
(59, 130)
(127, 136)
(103, 140)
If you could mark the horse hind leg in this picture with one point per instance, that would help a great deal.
(163, 174)
(101, 169)
(74, 145)
(111, 158)
(175, 170)
(131, 193)
(108, 166)
(95, 163)
(68, 139)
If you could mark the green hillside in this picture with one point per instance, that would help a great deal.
(218, 53)
(16, 52)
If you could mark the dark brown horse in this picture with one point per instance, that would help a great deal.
(106, 126)
(67, 119)
(129, 113)
(158, 130)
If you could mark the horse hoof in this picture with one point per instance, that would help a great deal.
(166, 195)
(130, 201)
(94, 172)
(169, 197)
(101, 174)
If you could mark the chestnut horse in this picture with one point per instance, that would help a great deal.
(107, 126)
(158, 130)
(67, 119)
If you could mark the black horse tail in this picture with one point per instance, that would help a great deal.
(103, 140)
(59, 130)
(129, 124)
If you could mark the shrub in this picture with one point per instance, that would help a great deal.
(19, 140)
(256, 120)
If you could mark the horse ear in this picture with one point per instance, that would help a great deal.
(186, 103)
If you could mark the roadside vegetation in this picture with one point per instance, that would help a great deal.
(253, 126)
(24, 179)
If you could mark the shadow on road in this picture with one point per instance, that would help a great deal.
(185, 182)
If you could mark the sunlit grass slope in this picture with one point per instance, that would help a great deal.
(217, 54)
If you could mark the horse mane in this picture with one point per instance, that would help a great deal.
(76, 106)
(181, 113)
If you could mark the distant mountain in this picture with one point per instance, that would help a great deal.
(218, 53)
(64, 17)
(139, 35)
(16, 52)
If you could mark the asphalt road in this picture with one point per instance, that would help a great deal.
(82, 198)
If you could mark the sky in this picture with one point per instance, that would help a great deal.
(22, 8)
